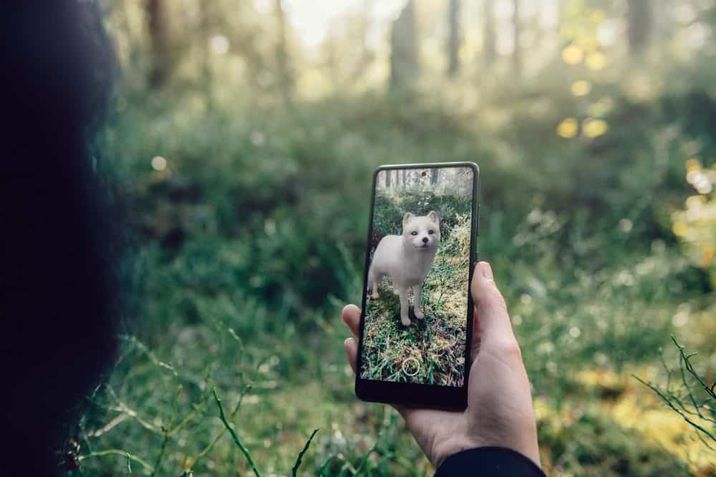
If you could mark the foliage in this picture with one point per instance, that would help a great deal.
(247, 204)
(694, 398)
(431, 350)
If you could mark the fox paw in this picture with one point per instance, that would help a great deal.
(419, 314)
(405, 320)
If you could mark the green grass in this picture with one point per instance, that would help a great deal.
(431, 350)
(245, 250)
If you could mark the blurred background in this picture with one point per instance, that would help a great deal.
(240, 143)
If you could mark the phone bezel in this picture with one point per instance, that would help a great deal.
(412, 394)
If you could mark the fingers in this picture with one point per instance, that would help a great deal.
(493, 322)
(351, 347)
(351, 317)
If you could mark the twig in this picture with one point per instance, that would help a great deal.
(119, 452)
(160, 456)
(125, 409)
(234, 436)
(668, 402)
(294, 471)
(220, 434)
(150, 354)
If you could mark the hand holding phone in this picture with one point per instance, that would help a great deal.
(415, 326)
(499, 402)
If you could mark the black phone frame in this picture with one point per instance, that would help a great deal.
(413, 394)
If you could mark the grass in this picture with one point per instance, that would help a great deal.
(248, 248)
(431, 350)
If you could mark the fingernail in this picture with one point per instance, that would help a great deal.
(486, 270)
(347, 340)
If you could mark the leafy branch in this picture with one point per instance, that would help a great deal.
(694, 399)
(234, 436)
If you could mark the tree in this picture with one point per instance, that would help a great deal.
(488, 32)
(639, 23)
(453, 43)
(404, 65)
(434, 176)
(284, 71)
(516, 30)
(159, 66)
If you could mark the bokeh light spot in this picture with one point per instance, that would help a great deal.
(219, 44)
(693, 165)
(159, 163)
(679, 229)
(572, 55)
(600, 108)
(596, 61)
(567, 128)
(581, 88)
(594, 127)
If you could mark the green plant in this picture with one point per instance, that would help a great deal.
(693, 397)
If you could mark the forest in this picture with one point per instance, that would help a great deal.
(239, 147)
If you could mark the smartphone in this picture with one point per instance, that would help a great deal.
(416, 313)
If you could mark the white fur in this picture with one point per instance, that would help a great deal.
(406, 259)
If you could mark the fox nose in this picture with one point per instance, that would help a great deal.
(425, 240)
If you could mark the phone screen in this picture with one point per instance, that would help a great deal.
(419, 255)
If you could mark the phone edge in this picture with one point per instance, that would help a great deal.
(474, 233)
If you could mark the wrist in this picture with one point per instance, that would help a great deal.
(455, 445)
(442, 451)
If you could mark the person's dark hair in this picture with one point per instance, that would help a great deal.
(57, 253)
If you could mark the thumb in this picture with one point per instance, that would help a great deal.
(493, 321)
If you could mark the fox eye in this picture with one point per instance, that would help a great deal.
(413, 233)
(431, 232)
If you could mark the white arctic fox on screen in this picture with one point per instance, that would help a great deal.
(406, 260)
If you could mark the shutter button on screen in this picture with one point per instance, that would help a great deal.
(410, 367)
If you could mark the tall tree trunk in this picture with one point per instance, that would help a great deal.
(453, 43)
(489, 43)
(516, 30)
(204, 22)
(404, 66)
(387, 179)
(156, 17)
(434, 176)
(561, 13)
(365, 53)
(639, 23)
(284, 70)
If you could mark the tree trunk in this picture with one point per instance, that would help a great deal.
(158, 42)
(284, 71)
(387, 179)
(516, 30)
(639, 22)
(453, 43)
(434, 176)
(204, 22)
(404, 66)
(488, 32)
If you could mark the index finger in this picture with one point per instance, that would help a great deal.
(351, 317)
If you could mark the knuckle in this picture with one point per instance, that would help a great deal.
(509, 347)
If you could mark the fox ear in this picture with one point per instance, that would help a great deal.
(434, 216)
(407, 217)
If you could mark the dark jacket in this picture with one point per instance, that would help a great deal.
(488, 462)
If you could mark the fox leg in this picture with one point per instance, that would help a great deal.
(418, 307)
(404, 306)
(372, 283)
